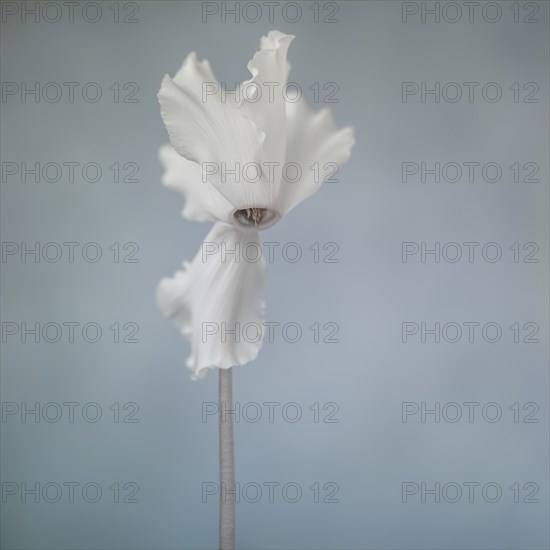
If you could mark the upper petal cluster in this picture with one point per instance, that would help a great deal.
(235, 150)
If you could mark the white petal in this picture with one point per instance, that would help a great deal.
(202, 201)
(193, 74)
(312, 137)
(262, 98)
(219, 291)
(273, 41)
(204, 129)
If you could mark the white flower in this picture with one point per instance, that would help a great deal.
(234, 158)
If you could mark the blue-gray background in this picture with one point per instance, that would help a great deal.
(370, 292)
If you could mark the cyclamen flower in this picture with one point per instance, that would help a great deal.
(212, 135)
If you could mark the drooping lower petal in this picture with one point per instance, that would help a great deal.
(217, 300)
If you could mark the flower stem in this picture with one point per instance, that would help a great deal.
(227, 461)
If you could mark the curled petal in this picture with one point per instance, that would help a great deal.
(218, 292)
(262, 98)
(202, 201)
(275, 40)
(315, 143)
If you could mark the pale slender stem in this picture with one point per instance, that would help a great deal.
(227, 461)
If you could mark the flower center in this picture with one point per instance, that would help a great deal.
(259, 218)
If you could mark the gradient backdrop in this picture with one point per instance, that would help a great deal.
(151, 439)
